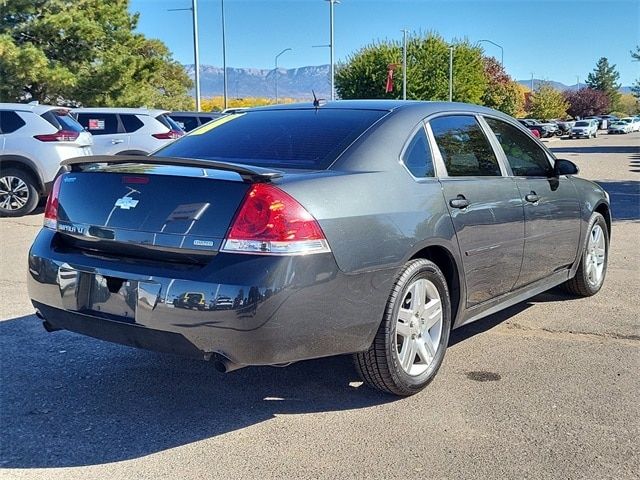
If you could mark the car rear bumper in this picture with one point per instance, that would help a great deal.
(284, 309)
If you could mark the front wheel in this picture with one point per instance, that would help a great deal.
(411, 341)
(590, 275)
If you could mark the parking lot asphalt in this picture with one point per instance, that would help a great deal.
(549, 388)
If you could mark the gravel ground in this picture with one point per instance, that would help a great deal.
(546, 389)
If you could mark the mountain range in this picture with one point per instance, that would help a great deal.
(295, 83)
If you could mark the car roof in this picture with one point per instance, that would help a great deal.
(30, 107)
(385, 105)
(136, 111)
(197, 114)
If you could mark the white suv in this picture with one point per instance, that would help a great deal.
(133, 131)
(34, 139)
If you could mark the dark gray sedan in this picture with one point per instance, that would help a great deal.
(364, 227)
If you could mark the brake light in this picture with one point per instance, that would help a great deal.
(51, 210)
(170, 135)
(271, 222)
(59, 136)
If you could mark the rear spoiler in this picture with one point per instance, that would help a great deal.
(248, 173)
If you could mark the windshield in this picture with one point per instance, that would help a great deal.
(305, 139)
(583, 124)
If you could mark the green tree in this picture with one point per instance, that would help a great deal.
(502, 93)
(635, 88)
(85, 52)
(364, 73)
(605, 79)
(546, 103)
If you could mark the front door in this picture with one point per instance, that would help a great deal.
(485, 206)
(551, 207)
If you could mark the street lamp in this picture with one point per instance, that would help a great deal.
(196, 56)
(451, 73)
(224, 57)
(499, 46)
(277, 74)
(331, 5)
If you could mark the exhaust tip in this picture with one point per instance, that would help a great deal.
(223, 365)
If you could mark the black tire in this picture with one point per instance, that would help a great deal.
(30, 194)
(595, 134)
(580, 285)
(379, 366)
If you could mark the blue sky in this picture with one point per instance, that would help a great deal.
(555, 40)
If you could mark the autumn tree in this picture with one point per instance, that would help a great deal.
(85, 52)
(604, 78)
(502, 93)
(586, 102)
(546, 102)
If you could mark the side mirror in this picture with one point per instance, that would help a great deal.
(565, 167)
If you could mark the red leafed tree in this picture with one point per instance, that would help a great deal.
(586, 102)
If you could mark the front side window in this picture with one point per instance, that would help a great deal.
(417, 156)
(465, 149)
(99, 123)
(526, 158)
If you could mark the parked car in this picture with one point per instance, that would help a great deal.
(34, 139)
(364, 227)
(634, 123)
(190, 301)
(619, 126)
(584, 128)
(128, 131)
(187, 121)
(544, 129)
(564, 126)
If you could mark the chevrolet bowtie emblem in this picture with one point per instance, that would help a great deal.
(126, 203)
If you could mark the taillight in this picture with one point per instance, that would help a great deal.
(271, 222)
(170, 135)
(51, 210)
(59, 136)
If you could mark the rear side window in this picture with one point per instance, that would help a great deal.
(99, 123)
(186, 123)
(10, 122)
(465, 149)
(417, 156)
(131, 123)
(526, 158)
(62, 120)
(168, 122)
(306, 139)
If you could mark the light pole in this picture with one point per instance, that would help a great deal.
(451, 73)
(499, 46)
(331, 45)
(531, 81)
(224, 58)
(404, 64)
(277, 74)
(196, 55)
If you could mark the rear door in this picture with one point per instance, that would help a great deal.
(109, 136)
(551, 207)
(485, 206)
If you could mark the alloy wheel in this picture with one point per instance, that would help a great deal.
(418, 327)
(14, 193)
(596, 255)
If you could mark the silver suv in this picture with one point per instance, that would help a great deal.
(34, 139)
(128, 131)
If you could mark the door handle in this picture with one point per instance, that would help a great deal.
(116, 141)
(459, 202)
(532, 197)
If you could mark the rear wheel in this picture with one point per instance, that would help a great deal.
(412, 339)
(593, 265)
(18, 193)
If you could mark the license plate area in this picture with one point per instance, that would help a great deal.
(112, 298)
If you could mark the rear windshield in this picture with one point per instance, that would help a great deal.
(168, 122)
(305, 139)
(62, 120)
